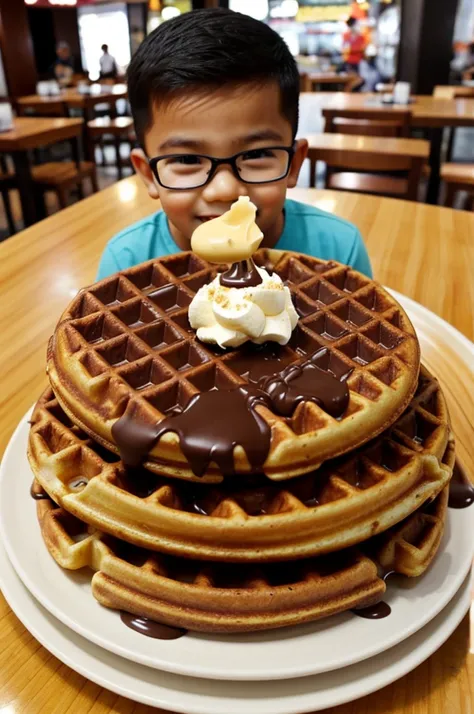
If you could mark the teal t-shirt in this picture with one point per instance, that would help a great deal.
(307, 230)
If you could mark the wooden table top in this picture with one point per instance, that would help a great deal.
(451, 91)
(368, 144)
(425, 252)
(73, 98)
(427, 111)
(30, 132)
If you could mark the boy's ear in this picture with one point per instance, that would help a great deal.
(301, 150)
(142, 167)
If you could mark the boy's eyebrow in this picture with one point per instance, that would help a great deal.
(262, 135)
(178, 142)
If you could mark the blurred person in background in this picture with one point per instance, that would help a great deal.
(63, 66)
(108, 64)
(369, 70)
(353, 46)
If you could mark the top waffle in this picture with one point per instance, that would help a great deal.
(125, 345)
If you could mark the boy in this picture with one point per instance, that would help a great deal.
(214, 96)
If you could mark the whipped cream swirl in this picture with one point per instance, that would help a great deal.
(228, 317)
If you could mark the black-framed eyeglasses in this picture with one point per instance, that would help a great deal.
(182, 172)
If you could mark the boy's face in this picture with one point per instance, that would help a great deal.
(220, 124)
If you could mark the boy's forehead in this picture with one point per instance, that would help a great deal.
(214, 116)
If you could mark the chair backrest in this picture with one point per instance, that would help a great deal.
(46, 109)
(371, 161)
(366, 127)
(368, 122)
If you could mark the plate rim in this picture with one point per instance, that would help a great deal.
(438, 635)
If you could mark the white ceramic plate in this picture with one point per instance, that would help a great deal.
(294, 652)
(199, 696)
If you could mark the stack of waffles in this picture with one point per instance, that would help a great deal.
(338, 501)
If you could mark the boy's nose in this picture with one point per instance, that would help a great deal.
(224, 186)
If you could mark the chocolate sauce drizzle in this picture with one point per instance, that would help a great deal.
(306, 383)
(242, 274)
(213, 423)
(209, 428)
(254, 362)
(38, 493)
(461, 491)
(374, 612)
(151, 628)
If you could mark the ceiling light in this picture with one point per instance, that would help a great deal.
(168, 12)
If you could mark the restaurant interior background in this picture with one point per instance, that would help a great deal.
(427, 43)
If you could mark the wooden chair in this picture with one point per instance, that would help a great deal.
(7, 184)
(119, 129)
(62, 176)
(457, 177)
(50, 108)
(378, 166)
(367, 122)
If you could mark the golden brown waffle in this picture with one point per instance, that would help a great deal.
(216, 597)
(345, 502)
(410, 546)
(124, 345)
(205, 596)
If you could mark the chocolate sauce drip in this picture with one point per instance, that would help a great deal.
(461, 491)
(306, 383)
(215, 422)
(209, 428)
(38, 493)
(256, 362)
(374, 612)
(151, 628)
(134, 438)
(243, 274)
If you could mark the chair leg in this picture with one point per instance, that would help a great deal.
(62, 196)
(449, 150)
(94, 184)
(80, 190)
(451, 190)
(469, 202)
(118, 159)
(312, 173)
(8, 213)
(102, 151)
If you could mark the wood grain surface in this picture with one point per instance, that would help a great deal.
(31, 132)
(427, 111)
(422, 251)
(370, 144)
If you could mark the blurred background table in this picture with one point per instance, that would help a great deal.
(73, 98)
(30, 133)
(428, 112)
(422, 251)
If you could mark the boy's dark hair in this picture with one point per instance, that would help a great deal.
(351, 22)
(209, 48)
